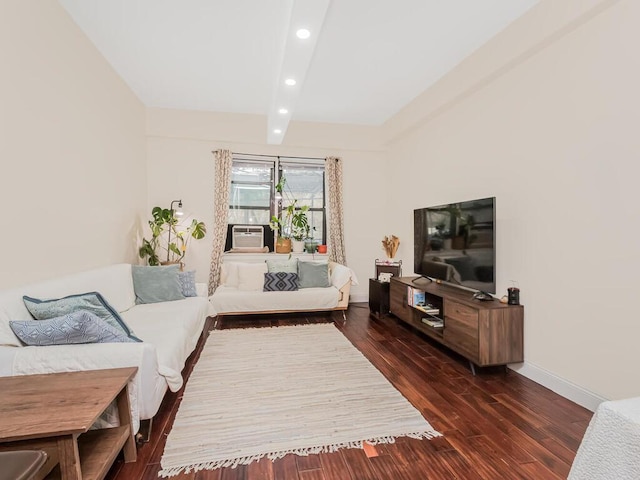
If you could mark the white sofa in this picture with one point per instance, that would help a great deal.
(169, 332)
(231, 299)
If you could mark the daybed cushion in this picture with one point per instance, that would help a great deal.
(251, 276)
(156, 284)
(229, 299)
(290, 265)
(188, 283)
(73, 328)
(313, 274)
(91, 301)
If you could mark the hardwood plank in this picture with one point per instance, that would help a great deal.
(358, 464)
(285, 468)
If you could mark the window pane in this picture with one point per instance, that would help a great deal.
(249, 217)
(304, 183)
(251, 172)
(316, 220)
(246, 195)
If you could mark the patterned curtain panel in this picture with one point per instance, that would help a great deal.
(335, 216)
(223, 164)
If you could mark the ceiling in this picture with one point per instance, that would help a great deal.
(364, 61)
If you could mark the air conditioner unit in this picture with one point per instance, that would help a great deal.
(246, 236)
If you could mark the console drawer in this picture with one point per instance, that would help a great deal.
(461, 328)
(463, 313)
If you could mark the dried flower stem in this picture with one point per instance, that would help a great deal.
(390, 245)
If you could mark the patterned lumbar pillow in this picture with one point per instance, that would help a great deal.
(77, 327)
(280, 282)
(187, 282)
(90, 301)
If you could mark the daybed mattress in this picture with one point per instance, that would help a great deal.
(231, 300)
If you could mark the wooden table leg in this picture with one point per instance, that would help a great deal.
(69, 457)
(124, 413)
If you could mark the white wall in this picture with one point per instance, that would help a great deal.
(72, 149)
(180, 165)
(551, 132)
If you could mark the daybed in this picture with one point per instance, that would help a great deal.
(241, 291)
(169, 331)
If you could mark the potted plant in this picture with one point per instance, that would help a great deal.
(169, 240)
(293, 224)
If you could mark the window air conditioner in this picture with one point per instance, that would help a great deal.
(245, 236)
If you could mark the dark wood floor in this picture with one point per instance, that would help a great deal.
(496, 425)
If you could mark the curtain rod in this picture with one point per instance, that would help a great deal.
(276, 156)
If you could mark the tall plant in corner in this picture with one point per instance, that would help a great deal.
(158, 249)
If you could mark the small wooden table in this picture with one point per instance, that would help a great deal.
(53, 412)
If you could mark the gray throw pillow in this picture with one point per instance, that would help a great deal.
(313, 274)
(77, 327)
(156, 284)
(90, 301)
(188, 283)
(289, 266)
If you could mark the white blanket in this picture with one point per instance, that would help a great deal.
(34, 360)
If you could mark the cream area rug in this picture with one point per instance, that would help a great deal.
(272, 391)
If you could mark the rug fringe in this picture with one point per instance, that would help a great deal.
(334, 447)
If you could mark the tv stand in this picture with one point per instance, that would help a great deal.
(484, 332)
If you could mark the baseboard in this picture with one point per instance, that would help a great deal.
(573, 392)
(358, 297)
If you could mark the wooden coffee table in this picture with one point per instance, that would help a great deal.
(53, 412)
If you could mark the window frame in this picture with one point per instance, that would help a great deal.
(276, 166)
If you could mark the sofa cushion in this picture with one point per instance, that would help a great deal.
(290, 265)
(156, 284)
(93, 302)
(251, 276)
(280, 282)
(313, 274)
(187, 282)
(81, 326)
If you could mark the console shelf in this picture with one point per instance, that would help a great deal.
(484, 332)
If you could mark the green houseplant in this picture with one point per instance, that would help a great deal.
(292, 224)
(169, 240)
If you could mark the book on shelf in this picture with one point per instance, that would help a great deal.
(433, 322)
(428, 309)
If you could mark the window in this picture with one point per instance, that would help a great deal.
(253, 198)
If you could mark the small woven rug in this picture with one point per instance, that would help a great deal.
(272, 391)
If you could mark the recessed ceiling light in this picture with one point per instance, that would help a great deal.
(277, 131)
(303, 33)
(283, 111)
(290, 81)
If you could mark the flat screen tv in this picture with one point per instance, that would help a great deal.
(456, 243)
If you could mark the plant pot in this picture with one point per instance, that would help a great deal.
(310, 246)
(297, 246)
(322, 249)
(283, 245)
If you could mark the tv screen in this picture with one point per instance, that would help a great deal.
(456, 243)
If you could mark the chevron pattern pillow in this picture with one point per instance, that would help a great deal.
(81, 326)
(280, 282)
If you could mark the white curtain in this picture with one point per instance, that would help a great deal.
(223, 165)
(335, 216)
